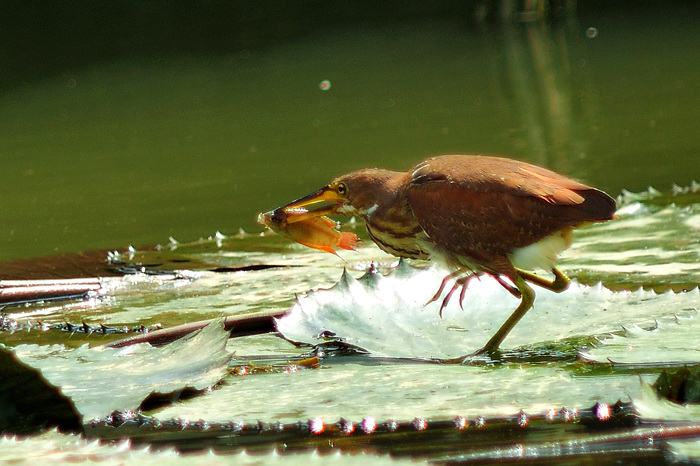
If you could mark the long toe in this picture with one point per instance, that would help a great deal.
(447, 298)
(439, 292)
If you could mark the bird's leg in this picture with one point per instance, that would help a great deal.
(559, 284)
(510, 288)
(528, 297)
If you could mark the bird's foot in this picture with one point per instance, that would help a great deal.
(480, 357)
(459, 282)
(449, 296)
(442, 287)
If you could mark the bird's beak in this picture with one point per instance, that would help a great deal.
(298, 210)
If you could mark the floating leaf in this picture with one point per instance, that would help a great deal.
(102, 380)
(671, 340)
(28, 402)
(387, 316)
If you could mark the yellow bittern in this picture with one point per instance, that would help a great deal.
(474, 214)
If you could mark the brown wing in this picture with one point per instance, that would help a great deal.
(486, 206)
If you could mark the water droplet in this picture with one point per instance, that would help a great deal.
(369, 425)
(602, 411)
(346, 426)
(316, 426)
(551, 414)
(519, 450)
(420, 423)
(565, 414)
(324, 85)
(522, 419)
(592, 33)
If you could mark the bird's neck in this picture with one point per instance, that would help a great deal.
(390, 221)
(387, 199)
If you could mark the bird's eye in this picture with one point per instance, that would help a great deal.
(342, 189)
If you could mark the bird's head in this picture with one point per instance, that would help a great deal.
(357, 193)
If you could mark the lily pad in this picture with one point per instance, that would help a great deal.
(387, 316)
(100, 381)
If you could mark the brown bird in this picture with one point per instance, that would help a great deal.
(474, 214)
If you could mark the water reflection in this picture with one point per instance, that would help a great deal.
(552, 98)
(541, 95)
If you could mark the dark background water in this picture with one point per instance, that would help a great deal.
(128, 122)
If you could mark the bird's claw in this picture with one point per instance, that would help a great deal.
(439, 292)
(459, 282)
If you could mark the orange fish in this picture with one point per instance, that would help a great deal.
(316, 232)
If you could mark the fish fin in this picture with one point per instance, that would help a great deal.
(326, 249)
(348, 240)
(329, 221)
(311, 245)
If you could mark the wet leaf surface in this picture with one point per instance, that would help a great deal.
(100, 381)
(29, 403)
(354, 344)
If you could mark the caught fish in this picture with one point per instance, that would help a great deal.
(316, 232)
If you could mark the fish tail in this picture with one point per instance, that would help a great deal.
(347, 241)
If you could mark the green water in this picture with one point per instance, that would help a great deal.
(136, 149)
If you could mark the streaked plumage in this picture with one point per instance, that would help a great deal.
(475, 214)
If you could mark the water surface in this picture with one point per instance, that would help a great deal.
(134, 150)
